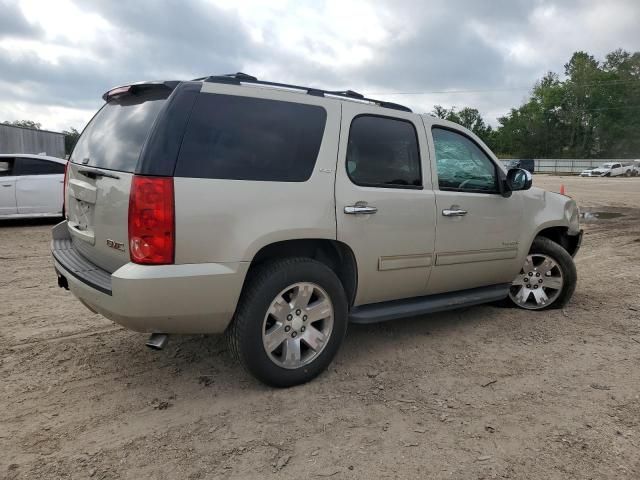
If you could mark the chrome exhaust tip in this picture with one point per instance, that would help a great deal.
(157, 341)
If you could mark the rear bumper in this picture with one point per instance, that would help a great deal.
(193, 298)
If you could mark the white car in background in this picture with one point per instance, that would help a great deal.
(31, 186)
(609, 169)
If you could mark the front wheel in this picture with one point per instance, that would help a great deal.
(290, 321)
(547, 278)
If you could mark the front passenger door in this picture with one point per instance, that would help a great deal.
(477, 229)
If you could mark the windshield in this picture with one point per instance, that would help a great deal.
(606, 165)
(114, 138)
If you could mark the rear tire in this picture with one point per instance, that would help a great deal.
(277, 297)
(547, 280)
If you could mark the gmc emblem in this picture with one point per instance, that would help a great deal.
(116, 245)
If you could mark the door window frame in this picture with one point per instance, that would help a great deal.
(382, 185)
(498, 171)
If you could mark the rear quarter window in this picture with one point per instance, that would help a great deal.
(244, 138)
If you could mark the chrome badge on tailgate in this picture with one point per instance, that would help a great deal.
(115, 245)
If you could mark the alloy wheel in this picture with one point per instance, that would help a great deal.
(297, 325)
(539, 283)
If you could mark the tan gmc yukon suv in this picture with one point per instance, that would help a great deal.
(278, 214)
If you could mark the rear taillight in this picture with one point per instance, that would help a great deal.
(151, 220)
(64, 189)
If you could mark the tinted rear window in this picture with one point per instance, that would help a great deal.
(114, 138)
(244, 138)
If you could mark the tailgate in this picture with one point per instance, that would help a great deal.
(97, 215)
(100, 173)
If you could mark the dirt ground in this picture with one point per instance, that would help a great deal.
(483, 392)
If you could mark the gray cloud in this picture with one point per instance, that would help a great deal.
(173, 36)
(175, 41)
(461, 44)
(13, 23)
(73, 83)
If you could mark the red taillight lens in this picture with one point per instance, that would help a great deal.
(151, 220)
(64, 189)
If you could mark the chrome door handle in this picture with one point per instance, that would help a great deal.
(454, 212)
(7, 184)
(359, 210)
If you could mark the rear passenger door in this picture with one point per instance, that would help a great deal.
(39, 186)
(7, 187)
(385, 205)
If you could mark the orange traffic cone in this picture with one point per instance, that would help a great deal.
(562, 189)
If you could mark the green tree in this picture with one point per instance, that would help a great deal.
(620, 115)
(593, 112)
(440, 111)
(535, 128)
(467, 117)
(24, 124)
(70, 138)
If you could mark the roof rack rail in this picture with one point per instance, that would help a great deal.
(240, 78)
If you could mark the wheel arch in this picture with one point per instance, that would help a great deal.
(337, 255)
(560, 235)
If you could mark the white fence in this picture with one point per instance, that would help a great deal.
(572, 165)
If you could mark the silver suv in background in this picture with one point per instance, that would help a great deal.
(278, 213)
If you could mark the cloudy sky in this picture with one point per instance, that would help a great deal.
(58, 57)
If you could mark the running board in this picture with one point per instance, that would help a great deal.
(410, 307)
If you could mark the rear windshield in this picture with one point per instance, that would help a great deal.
(243, 138)
(115, 136)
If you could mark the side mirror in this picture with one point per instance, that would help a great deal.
(519, 179)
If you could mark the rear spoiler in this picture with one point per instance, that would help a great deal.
(135, 88)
